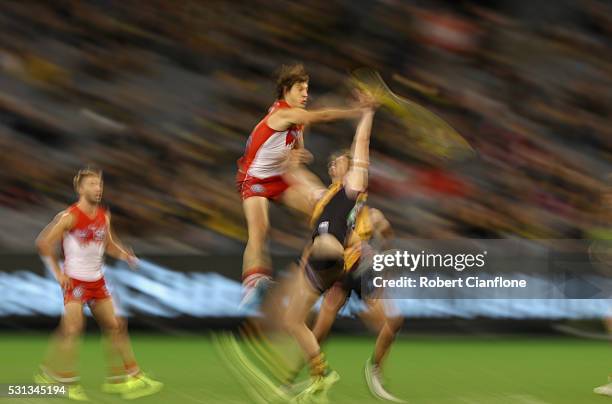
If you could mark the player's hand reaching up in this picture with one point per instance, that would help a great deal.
(366, 99)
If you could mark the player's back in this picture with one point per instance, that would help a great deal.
(267, 150)
(84, 244)
(336, 211)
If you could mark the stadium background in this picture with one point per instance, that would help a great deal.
(162, 96)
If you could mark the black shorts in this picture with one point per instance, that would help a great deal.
(351, 282)
(358, 282)
(323, 273)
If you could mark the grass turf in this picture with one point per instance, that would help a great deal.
(437, 369)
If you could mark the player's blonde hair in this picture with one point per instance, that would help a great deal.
(84, 173)
(340, 153)
(288, 75)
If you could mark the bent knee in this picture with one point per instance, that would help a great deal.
(327, 246)
(112, 326)
(395, 323)
(334, 299)
(122, 324)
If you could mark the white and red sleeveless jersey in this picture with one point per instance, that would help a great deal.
(84, 245)
(267, 150)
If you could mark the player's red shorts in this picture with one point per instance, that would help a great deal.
(271, 187)
(86, 292)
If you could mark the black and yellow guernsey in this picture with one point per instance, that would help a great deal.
(345, 218)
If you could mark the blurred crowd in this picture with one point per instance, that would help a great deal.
(162, 96)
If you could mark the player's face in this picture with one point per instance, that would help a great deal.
(338, 168)
(297, 96)
(91, 189)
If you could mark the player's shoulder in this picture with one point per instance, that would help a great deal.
(67, 216)
(377, 218)
(285, 117)
(71, 210)
(105, 210)
(280, 104)
(282, 108)
(374, 212)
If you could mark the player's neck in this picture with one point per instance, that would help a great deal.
(288, 103)
(87, 207)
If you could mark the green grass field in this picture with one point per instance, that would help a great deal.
(437, 369)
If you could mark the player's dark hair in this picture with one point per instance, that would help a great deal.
(84, 173)
(288, 75)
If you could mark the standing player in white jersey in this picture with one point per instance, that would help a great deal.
(263, 173)
(84, 230)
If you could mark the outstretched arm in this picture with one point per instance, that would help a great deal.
(357, 177)
(116, 249)
(46, 243)
(284, 118)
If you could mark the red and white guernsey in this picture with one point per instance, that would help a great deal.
(267, 150)
(84, 245)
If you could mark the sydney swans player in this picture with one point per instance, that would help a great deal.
(84, 230)
(263, 170)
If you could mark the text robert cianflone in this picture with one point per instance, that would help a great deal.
(411, 261)
(437, 282)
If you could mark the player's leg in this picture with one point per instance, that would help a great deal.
(256, 263)
(61, 358)
(136, 383)
(115, 331)
(606, 389)
(332, 303)
(387, 326)
(322, 378)
(117, 374)
(322, 268)
(377, 316)
(297, 199)
(304, 190)
(303, 296)
(60, 362)
(273, 306)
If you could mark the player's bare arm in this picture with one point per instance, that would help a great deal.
(382, 230)
(357, 177)
(284, 118)
(46, 243)
(381, 226)
(116, 249)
